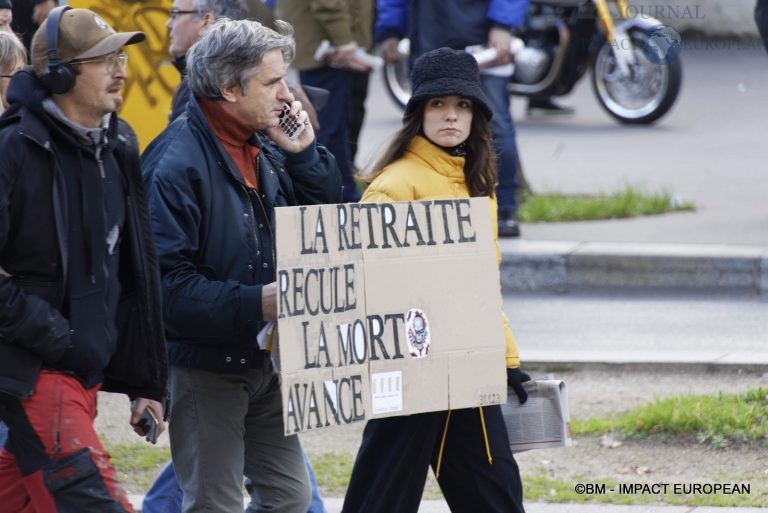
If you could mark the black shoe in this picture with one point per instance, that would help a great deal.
(508, 225)
(546, 107)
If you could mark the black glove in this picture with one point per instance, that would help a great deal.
(515, 380)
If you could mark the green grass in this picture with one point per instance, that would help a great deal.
(332, 469)
(138, 464)
(717, 421)
(631, 202)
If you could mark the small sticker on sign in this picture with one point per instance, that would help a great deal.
(387, 392)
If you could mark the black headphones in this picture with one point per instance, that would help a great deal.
(58, 77)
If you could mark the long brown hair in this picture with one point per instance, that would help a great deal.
(480, 162)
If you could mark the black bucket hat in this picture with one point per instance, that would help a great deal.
(444, 72)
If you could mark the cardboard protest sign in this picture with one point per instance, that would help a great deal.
(387, 309)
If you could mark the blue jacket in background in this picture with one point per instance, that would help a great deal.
(456, 24)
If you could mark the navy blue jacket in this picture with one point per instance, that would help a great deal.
(432, 24)
(35, 231)
(215, 236)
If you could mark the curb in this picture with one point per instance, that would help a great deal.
(528, 266)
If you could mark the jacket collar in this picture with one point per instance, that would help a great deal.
(268, 182)
(434, 157)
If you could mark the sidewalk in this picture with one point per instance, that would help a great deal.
(333, 505)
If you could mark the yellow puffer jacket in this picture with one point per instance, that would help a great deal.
(427, 172)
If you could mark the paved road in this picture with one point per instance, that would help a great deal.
(710, 149)
(621, 327)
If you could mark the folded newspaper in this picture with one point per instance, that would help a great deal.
(544, 421)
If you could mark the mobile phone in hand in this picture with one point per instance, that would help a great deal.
(148, 423)
(288, 123)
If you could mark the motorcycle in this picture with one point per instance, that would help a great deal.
(634, 59)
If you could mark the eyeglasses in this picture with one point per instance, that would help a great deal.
(6, 76)
(112, 60)
(175, 13)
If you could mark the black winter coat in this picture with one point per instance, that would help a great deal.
(215, 236)
(34, 255)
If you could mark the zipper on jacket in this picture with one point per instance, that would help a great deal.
(256, 194)
(103, 175)
(266, 216)
(101, 167)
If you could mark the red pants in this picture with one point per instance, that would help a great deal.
(58, 408)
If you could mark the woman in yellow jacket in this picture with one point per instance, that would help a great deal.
(443, 150)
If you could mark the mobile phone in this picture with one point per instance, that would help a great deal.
(288, 123)
(148, 423)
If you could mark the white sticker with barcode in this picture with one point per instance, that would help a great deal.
(387, 392)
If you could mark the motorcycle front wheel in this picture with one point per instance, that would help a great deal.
(646, 93)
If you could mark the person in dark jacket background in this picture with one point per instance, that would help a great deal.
(28, 15)
(761, 19)
(187, 22)
(215, 175)
(347, 27)
(80, 298)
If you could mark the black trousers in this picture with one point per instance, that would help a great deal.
(391, 467)
(357, 118)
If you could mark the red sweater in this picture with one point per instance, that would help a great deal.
(233, 136)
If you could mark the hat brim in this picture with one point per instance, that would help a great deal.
(448, 87)
(112, 44)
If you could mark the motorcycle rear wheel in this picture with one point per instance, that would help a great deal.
(641, 98)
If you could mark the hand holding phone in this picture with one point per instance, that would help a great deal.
(148, 424)
(289, 124)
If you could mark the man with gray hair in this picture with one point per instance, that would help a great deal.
(215, 176)
(187, 22)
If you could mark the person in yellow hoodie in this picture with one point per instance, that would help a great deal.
(443, 150)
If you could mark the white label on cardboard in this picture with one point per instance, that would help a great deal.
(387, 392)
